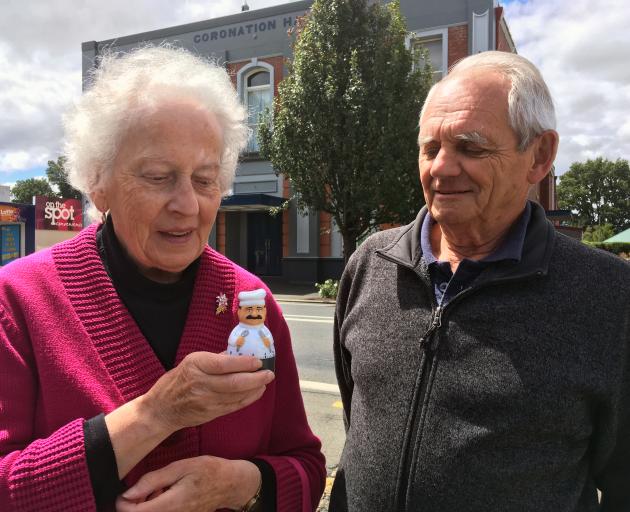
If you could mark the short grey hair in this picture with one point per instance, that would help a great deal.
(530, 106)
(122, 84)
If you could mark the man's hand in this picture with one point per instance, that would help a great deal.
(201, 484)
(240, 341)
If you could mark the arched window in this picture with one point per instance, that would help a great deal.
(258, 96)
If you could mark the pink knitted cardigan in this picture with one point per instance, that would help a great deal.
(69, 350)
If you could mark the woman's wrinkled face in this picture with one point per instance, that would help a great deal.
(164, 193)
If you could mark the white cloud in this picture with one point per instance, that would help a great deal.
(40, 61)
(581, 48)
(624, 132)
(21, 160)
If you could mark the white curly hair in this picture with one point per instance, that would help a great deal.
(118, 89)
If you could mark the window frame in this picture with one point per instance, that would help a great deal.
(418, 36)
(252, 67)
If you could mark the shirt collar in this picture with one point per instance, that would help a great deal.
(510, 249)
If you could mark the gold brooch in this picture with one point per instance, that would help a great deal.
(222, 303)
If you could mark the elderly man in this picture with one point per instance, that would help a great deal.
(483, 358)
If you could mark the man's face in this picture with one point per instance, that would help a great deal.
(471, 171)
(252, 315)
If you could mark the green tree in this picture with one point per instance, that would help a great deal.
(345, 122)
(24, 190)
(57, 176)
(598, 233)
(598, 192)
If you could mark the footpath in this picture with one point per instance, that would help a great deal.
(294, 292)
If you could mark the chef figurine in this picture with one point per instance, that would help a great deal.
(251, 336)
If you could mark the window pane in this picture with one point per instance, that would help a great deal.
(257, 102)
(433, 46)
(259, 78)
(258, 97)
(336, 241)
(302, 232)
(252, 143)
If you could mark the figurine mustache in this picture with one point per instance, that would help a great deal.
(254, 317)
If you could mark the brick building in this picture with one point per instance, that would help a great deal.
(253, 44)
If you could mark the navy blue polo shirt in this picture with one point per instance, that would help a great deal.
(446, 284)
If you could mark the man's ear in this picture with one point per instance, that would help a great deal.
(544, 149)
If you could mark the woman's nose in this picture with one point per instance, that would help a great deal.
(184, 198)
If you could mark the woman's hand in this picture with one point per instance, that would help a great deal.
(201, 388)
(199, 484)
(205, 386)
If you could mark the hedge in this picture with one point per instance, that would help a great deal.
(619, 248)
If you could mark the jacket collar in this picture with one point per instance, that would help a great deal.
(406, 249)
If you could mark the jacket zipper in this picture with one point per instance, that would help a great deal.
(429, 344)
(417, 408)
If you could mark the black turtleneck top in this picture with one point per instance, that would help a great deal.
(160, 310)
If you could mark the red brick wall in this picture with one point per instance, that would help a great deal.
(285, 221)
(325, 227)
(544, 192)
(457, 44)
(501, 37)
(502, 43)
(547, 192)
(221, 232)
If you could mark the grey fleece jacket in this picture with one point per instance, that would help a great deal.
(513, 397)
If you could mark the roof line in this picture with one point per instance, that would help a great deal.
(196, 26)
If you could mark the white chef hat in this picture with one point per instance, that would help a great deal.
(253, 298)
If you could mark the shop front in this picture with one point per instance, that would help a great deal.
(249, 235)
(17, 231)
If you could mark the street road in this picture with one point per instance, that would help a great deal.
(311, 328)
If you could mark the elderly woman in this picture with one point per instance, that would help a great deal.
(114, 388)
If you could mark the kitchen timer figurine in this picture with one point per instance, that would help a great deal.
(251, 336)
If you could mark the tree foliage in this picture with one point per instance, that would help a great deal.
(24, 190)
(56, 174)
(345, 121)
(598, 233)
(598, 192)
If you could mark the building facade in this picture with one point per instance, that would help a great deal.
(254, 46)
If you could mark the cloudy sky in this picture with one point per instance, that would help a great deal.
(582, 48)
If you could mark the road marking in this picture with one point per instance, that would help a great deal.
(319, 387)
(313, 304)
(338, 404)
(314, 319)
(311, 316)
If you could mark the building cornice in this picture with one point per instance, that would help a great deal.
(232, 19)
